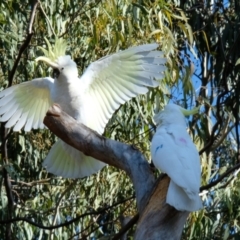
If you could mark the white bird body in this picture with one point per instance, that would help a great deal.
(91, 99)
(71, 100)
(174, 153)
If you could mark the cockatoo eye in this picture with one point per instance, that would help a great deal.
(56, 73)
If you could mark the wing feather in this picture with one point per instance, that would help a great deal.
(28, 125)
(6, 100)
(5, 107)
(108, 109)
(38, 106)
(98, 110)
(12, 121)
(118, 98)
(45, 105)
(8, 114)
(115, 79)
(21, 122)
(110, 95)
(26, 104)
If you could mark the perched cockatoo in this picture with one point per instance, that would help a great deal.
(174, 153)
(90, 99)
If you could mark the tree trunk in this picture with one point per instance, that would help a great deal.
(159, 220)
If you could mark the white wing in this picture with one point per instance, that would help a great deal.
(117, 78)
(26, 104)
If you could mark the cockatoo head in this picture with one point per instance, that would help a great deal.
(65, 69)
(173, 114)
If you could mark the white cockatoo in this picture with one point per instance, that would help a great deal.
(90, 99)
(174, 153)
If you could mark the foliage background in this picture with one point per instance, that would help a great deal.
(200, 40)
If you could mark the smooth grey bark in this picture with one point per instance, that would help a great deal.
(115, 153)
(157, 219)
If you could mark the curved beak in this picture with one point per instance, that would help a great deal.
(48, 62)
(190, 112)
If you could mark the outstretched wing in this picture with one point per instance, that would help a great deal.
(26, 104)
(115, 79)
(174, 153)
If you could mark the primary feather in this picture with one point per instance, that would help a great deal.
(26, 104)
(91, 99)
(174, 153)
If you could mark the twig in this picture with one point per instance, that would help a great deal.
(17, 219)
(31, 184)
(215, 127)
(72, 18)
(119, 234)
(4, 131)
(24, 45)
(33, 14)
(222, 134)
(220, 178)
(48, 21)
(129, 225)
(59, 202)
(226, 184)
(92, 230)
(7, 184)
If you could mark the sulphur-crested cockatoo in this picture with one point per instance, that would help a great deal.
(174, 153)
(90, 99)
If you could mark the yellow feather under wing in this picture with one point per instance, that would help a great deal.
(26, 104)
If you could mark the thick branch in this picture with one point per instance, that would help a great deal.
(159, 220)
(117, 154)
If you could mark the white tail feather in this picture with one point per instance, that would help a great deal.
(66, 161)
(178, 198)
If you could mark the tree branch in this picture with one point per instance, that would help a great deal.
(129, 225)
(120, 155)
(59, 202)
(47, 19)
(220, 178)
(102, 210)
(24, 45)
(75, 15)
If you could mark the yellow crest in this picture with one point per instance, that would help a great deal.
(55, 51)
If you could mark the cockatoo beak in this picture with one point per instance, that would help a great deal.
(190, 112)
(48, 62)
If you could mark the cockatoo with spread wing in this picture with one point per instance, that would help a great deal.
(174, 153)
(90, 99)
